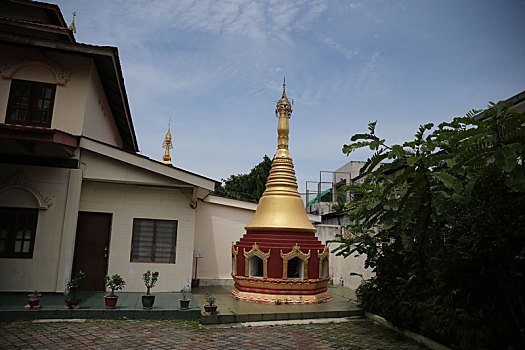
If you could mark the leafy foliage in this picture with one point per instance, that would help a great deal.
(210, 299)
(247, 187)
(441, 223)
(74, 283)
(150, 278)
(72, 286)
(115, 282)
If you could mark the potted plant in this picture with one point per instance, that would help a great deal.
(184, 301)
(33, 300)
(72, 301)
(114, 283)
(149, 279)
(210, 306)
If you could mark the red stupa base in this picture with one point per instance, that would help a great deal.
(274, 250)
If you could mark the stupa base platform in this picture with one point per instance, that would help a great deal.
(280, 298)
(275, 290)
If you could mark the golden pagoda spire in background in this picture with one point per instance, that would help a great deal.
(168, 145)
(72, 25)
(281, 206)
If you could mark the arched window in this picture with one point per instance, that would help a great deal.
(295, 268)
(19, 209)
(17, 232)
(30, 103)
(235, 252)
(324, 268)
(295, 263)
(256, 267)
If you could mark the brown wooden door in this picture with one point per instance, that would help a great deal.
(92, 249)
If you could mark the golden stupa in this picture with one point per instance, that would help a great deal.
(281, 206)
(279, 258)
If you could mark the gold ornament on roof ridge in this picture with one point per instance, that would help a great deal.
(168, 145)
(72, 25)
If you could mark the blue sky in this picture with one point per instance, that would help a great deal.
(215, 69)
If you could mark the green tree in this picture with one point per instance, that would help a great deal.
(445, 236)
(247, 187)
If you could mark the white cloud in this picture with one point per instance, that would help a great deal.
(355, 5)
(158, 79)
(216, 67)
(137, 20)
(328, 41)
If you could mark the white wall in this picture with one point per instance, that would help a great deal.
(340, 268)
(35, 65)
(351, 167)
(219, 222)
(127, 202)
(98, 120)
(39, 272)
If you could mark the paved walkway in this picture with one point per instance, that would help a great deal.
(231, 310)
(176, 334)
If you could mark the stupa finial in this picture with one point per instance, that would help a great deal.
(168, 145)
(72, 25)
(284, 103)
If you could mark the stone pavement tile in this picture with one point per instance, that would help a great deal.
(170, 334)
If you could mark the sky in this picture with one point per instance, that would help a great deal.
(215, 69)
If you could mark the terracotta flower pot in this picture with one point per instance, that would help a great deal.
(212, 309)
(33, 301)
(111, 301)
(72, 303)
(147, 301)
(184, 304)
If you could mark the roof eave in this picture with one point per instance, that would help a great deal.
(148, 164)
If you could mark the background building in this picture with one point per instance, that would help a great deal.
(74, 192)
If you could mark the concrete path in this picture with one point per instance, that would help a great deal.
(236, 311)
(92, 306)
(167, 307)
(176, 334)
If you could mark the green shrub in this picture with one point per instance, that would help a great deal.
(441, 222)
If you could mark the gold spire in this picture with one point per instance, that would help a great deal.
(281, 206)
(283, 111)
(168, 145)
(284, 103)
(72, 25)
